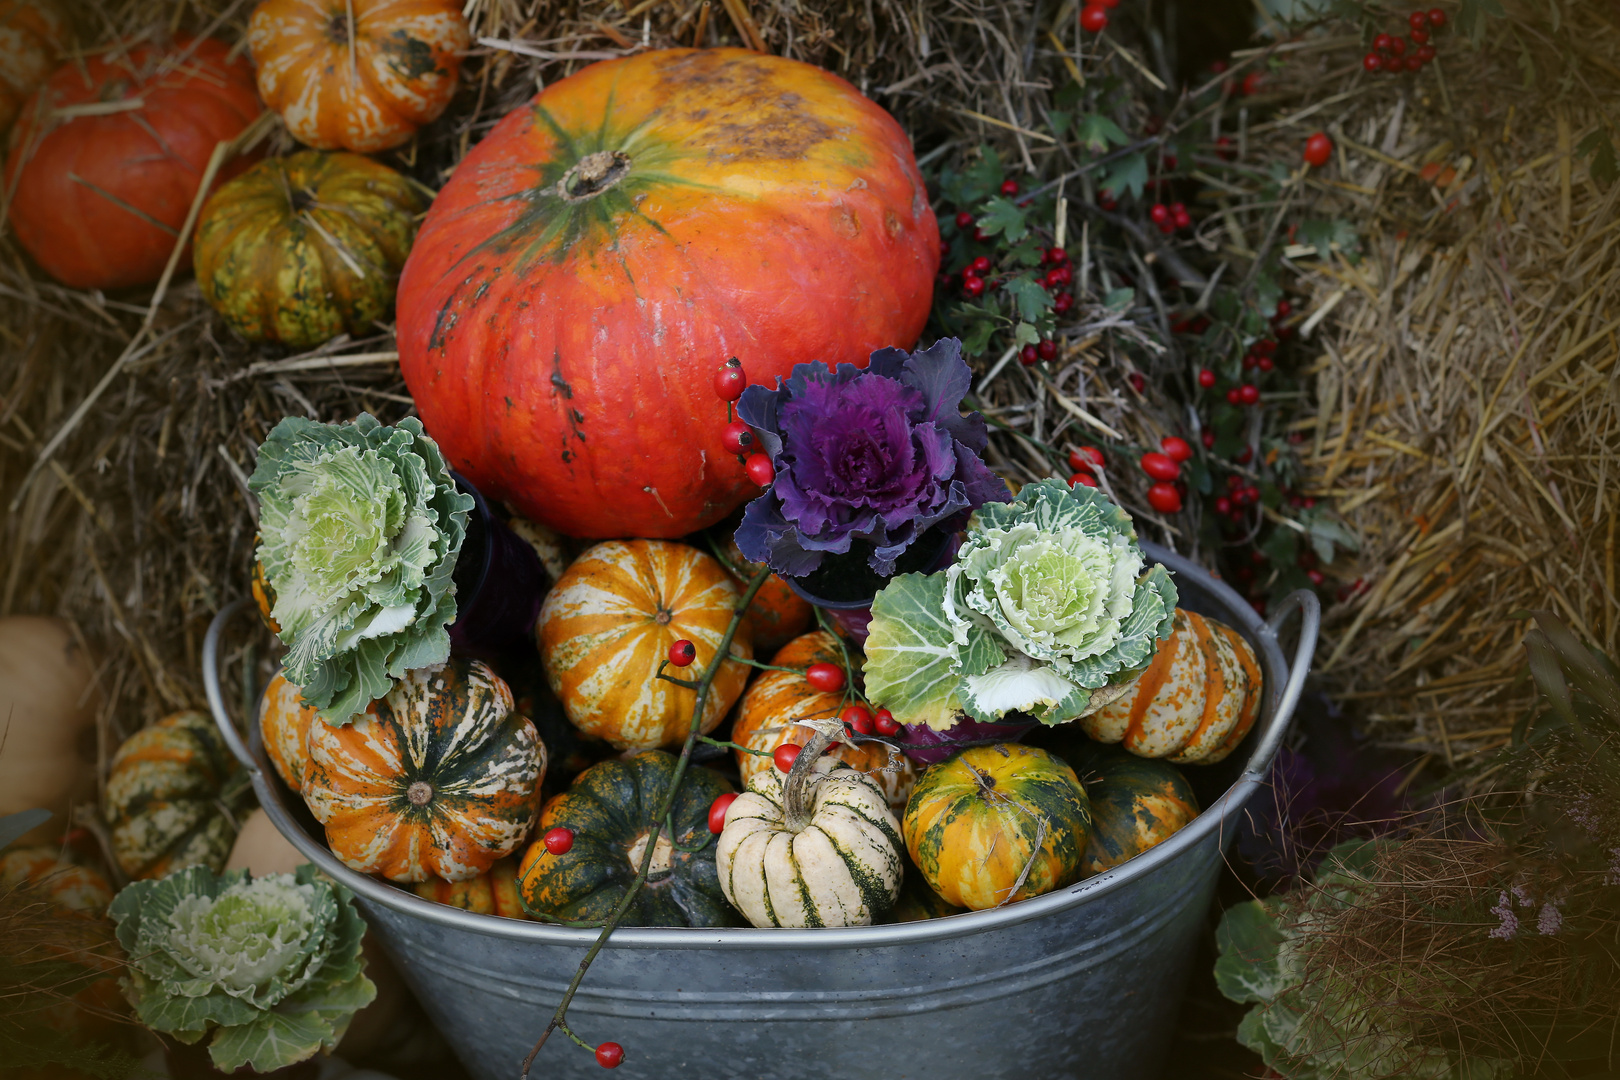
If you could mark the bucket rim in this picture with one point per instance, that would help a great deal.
(1283, 686)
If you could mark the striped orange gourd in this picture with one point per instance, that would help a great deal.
(610, 620)
(69, 885)
(284, 722)
(494, 892)
(1194, 703)
(440, 777)
(774, 701)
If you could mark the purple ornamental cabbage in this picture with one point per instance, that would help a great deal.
(878, 455)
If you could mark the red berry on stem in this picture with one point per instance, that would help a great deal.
(1266, 363)
(1138, 381)
(682, 653)
(1182, 219)
(1383, 43)
(1106, 200)
(1284, 309)
(1160, 466)
(1250, 361)
(1265, 346)
(885, 723)
(785, 755)
(1057, 256)
(760, 470)
(609, 1055)
(979, 234)
(1397, 46)
(1079, 462)
(729, 382)
(717, 811)
(1160, 214)
(1251, 83)
(1164, 498)
(1208, 439)
(1437, 18)
(828, 678)
(1246, 456)
(738, 437)
(1176, 448)
(1418, 20)
(1373, 62)
(1427, 54)
(980, 265)
(1225, 148)
(1233, 397)
(558, 841)
(859, 719)
(1094, 18)
(1047, 349)
(1062, 302)
(1248, 393)
(1083, 479)
(963, 219)
(1028, 355)
(973, 286)
(1206, 379)
(1009, 187)
(1059, 275)
(1318, 150)
(1420, 36)
(1223, 505)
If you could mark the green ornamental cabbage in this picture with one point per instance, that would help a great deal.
(1045, 606)
(271, 965)
(360, 526)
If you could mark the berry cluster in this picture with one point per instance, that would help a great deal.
(1170, 218)
(729, 383)
(1397, 55)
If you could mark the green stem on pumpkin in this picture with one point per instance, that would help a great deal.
(669, 827)
(721, 655)
(724, 745)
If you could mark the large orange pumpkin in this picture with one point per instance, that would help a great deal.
(610, 620)
(30, 38)
(765, 719)
(101, 196)
(358, 75)
(607, 246)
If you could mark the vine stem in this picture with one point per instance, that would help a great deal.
(721, 655)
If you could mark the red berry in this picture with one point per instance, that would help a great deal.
(1047, 349)
(1437, 18)
(979, 234)
(973, 286)
(1094, 18)
(1266, 363)
(1223, 505)
(682, 653)
(1246, 456)
(1106, 201)
(1170, 162)
(1168, 227)
(1248, 393)
(760, 470)
(1310, 503)
(1251, 493)
(1284, 309)
(1265, 346)
(1083, 478)
(729, 381)
(1427, 54)
(1234, 483)
(1316, 576)
(1206, 378)
(1090, 454)
(1175, 448)
(1183, 220)
(1318, 150)
(1233, 397)
(1109, 4)
(1138, 381)
(828, 678)
(1164, 498)
(980, 265)
(858, 718)
(1251, 83)
(1420, 36)
(1208, 439)
(558, 841)
(1397, 46)
(1028, 355)
(1250, 361)
(1062, 302)
(1057, 256)
(785, 755)
(1079, 462)
(717, 811)
(737, 438)
(1373, 62)
(1414, 63)
(963, 219)
(1225, 148)
(1160, 214)
(1418, 20)
(1009, 187)
(1383, 43)
(1059, 275)
(1159, 466)
(885, 723)
(609, 1055)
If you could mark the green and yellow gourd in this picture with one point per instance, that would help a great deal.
(1136, 804)
(609, 809)
(976, 821)
(170, 796)
(298, 250)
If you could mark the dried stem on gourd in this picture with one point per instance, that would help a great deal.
(721, 655)
(798, 793)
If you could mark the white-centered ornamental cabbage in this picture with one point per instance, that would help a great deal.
(1046, 610)
(360, 525)
(271, 965)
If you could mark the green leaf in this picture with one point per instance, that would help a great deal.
(977, 339)
(911, 660)
(1030, 297)
(1324, 236)
(1120, 300)
(1025, 334)
(1023, 685)
(1249, 938)
(1069, 96)
(1002, 217)
(1600, 147)
(1098, 133)
(1058, 121)
(273, 1040)
(1127, 176)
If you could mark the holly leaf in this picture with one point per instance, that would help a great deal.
(1600, 148)
(1098, 133)
(1029, 296)
(1128, 175)
(1002, 217)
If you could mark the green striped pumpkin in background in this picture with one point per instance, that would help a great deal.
(170, 794)
(1136, 803)
(818, 848)
(609, 809)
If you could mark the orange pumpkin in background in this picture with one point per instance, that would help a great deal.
(765, 720)
(609, 622)
(357, 75)
(777, 613)
(608, 245)
(31, 39)
(101, 195)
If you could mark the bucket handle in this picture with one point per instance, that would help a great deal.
(1309, 607)
(216, 700)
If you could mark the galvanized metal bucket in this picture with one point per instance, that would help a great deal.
(1084, 982)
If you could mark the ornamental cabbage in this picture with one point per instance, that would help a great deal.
(360, 526)
(1045, 610)
(270, 965)
(874, 457)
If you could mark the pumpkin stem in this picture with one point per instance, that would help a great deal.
(594, 174)
(798, 792)
(420, 793)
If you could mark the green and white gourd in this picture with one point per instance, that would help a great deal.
(819, 848)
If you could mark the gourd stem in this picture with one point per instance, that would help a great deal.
(798, 794)
(721, 654)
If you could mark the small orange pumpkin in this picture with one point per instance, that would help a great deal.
(358, 75)
(440, 777)
(609, 622)
(765, 720)
(1193, 704)
(69, 885)
(30, 41)
(777, 613)
(494, 892)
(284, 722)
